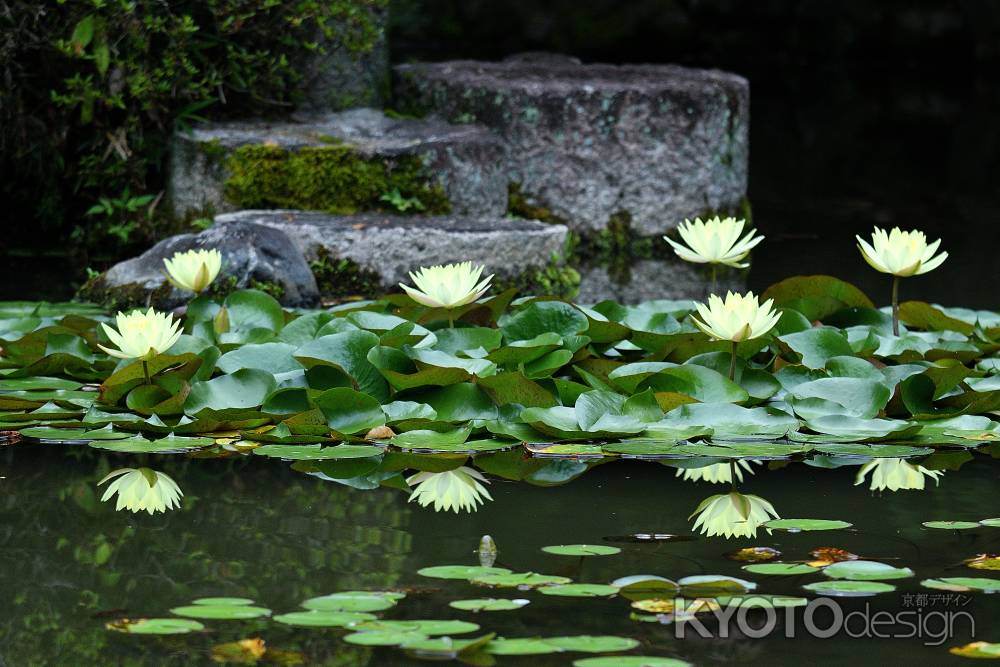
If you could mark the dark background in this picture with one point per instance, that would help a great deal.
(862, 113)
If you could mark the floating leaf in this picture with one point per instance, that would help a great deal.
(460, 571)
(324, 619)
(796, 525)
(951, 525)
(846, 588)
(866, 570)
(593, 643)
(383, 638)
(488, 604)
(317, 452)
(977, 650)
(979, 584)
(581, 550)
(519, 580)
(156, 626)
(983, 562)
(222, 601)
(630, 661)
(579, 590)
(234, 612)
(349, 602)
(516, 646)
(754, 554)
(780, 568)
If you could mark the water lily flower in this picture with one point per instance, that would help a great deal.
(738, 318)
(142, 335)
(718, 473)
(454, 490)
(714, 241)
(193, 270)
(141, 489)
(896, 474)
(732, 514)
(901, 254)
(449, 286)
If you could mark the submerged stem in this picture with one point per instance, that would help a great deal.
(451, 320)
(895, 305)
(732, 363)
(145, 371)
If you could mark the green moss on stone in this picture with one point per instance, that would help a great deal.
(335, 179)
(122, 297)
(519, 206)
(340, 278)
(557, 279)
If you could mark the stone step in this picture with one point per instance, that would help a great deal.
(341, 162)
(646, 144)
(380, 250)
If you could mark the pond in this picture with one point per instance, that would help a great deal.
(257, 529)
(508, 481)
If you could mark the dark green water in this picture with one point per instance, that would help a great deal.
(256, 528)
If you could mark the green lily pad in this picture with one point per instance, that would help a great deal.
(140, 445)
(581, 550)
(222, 601)
(383, 638)
(460, 571)
(780, 568)
(324, 619)
(227, 612)
(796, 525)
(521, 646)
(630, 661)
(317, 452)
(349, 602)
(158, 626)
(645, 586)
(593, 643)
(579, 590)
(713, 585)
(847, 588)
(951, 525)
(979, 584)
(446, 646)
(995, 523)
(520, 580)
(71, 435)
(865, 570)
(488, 604)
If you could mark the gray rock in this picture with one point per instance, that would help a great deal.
(390, 246)
(465, 160)
(249, 253)
(346, 74)
(659, 142)
(649, 279)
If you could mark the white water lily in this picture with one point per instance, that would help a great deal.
(193, 270)
(714, 241)
(732, 515)
(900, 253)
(448, 286)
(141, 489)
(142, 335)
(738, 318)
(896, 474)
(718, 473)
(454, 490)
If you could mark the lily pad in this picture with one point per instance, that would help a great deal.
(985, 650)
(324, 619)
(581, 550)
(579, 590)
(157, 626)
(488, 604)
(865, 570)
(521, 646)
(847, 588)
(780, 568)
(222, 601)
(222, 612)
(520, 580)
(951, 525)
(630, 661)
(140, 445)
(460, 571)
(349, 602)
(796, 525)
(317, 452)
(593, 643)
(383, 638)
(978, 584)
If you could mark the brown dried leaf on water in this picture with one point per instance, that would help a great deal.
(253, 651)
(380, 433)
(823, 556)
(753, 554)
(976, 650)
(983, 562)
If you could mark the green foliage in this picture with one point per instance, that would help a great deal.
(336, 179)
(95, 88)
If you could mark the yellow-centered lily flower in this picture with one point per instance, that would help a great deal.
(454, 490)
(142, 335)
(900, 253)
(193, 270)
(714, 241)
(717, 473)
(732, 515)
(895, 474)
(448, 286)
(141, 489)
(738, 318)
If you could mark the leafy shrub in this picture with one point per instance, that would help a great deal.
(92, 89)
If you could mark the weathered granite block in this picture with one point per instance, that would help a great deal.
(387, 247)
(252, 255)
(659, 142)
(346, 162)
